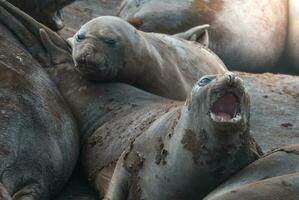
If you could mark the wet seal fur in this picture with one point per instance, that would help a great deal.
(110, 49)
(116, 119)
(274, 176)
(253, 42)
(39, 140)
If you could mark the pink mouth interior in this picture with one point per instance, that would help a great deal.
(225, 108)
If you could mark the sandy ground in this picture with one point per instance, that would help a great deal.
(81, 11)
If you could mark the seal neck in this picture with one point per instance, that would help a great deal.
(195, 138)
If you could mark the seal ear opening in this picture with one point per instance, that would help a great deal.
(198, 34)
(70, 42)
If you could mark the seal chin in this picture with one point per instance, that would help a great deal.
(226, 108)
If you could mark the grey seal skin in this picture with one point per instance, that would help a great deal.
(48, 12)
(246, 35)
(112, 116)
(39, 140)
(274, 176)
(110, 49)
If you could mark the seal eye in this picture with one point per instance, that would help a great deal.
(204, 82)
(80, 37)
(110, 42)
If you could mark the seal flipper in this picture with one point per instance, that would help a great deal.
(198, 34)
(57, 54)
(25, 193)
(119, 185)
(3, 193)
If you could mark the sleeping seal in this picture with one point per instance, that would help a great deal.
(109, 48)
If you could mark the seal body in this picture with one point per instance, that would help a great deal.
(266, 178)
(108, 48)
(48, 12)
(38, 135)
(186, 143)
(248, 42)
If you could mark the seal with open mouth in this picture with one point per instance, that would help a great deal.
(110, 49)
(209, 142)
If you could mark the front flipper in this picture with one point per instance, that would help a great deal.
(25, 193)
(198, 34)
(119, 185)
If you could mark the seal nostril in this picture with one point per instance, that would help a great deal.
(231, 79)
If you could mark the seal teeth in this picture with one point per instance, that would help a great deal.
(226, 108)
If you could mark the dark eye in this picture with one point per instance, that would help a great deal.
(204, 82)
(80, 37)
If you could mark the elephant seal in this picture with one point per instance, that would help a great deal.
(264, 174)
(108, 48)
(248, 42)
(200, 143)
(39, 140)
(48, 12)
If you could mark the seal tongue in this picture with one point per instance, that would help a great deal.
(225, 108)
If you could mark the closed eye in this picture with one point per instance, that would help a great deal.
(111, 42)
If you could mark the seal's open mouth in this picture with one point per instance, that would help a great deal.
(226, 109)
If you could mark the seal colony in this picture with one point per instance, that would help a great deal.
(115, 119)
(108, 48)
(128, 134)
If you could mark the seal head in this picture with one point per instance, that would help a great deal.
(226, 102)
(99, 46)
